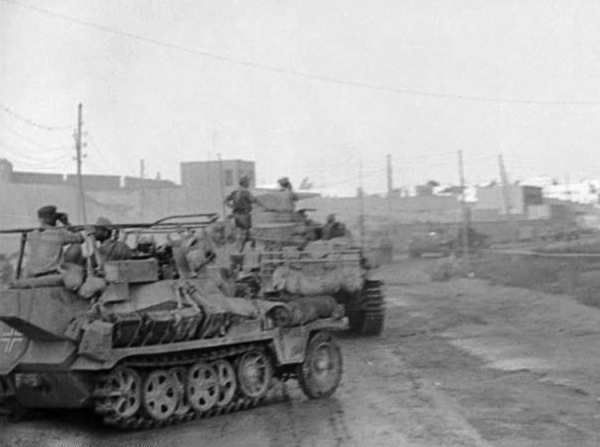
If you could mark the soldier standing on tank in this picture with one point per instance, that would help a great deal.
(290, 197)
(46, 243)
(241, 201)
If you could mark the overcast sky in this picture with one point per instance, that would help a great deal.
(517, 77)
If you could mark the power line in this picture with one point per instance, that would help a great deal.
(30, 122)
(30, 141)
(39, 160)
(303, 74)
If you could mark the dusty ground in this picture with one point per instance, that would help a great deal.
(461, 363)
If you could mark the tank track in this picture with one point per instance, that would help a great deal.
(368, 316)
(142, 421)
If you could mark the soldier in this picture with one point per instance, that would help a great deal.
(333, 228)
(109, 249)
(241, 201)
(290, 197)
(46, 244)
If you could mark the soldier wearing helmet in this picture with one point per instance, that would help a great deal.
(109, 249)
(241, 201)
(289, 196)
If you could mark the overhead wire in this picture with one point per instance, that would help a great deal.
(31, 122)
(303, 74)
(33, 142)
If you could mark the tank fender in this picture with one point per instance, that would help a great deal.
(46, 355)
(290, 344)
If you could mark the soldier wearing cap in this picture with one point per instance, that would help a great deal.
(109, 249)
(46, 243)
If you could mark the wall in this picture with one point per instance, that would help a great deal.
(96, 181)
(37, 178)
(520, 197)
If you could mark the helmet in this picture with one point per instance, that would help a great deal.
(244, 180)
(284, 182)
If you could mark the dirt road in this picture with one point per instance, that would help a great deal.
(461, 363)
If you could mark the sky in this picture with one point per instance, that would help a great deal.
(305, 88)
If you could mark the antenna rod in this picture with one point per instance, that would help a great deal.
(78, 158)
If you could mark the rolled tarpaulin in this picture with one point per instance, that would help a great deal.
(304, 310)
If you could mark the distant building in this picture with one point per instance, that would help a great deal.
(520, 197)
(208, 176)
(122, 199)
(585, 191)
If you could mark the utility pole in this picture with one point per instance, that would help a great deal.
(390, 180)
(78, 158)
(507, 201)
(221, 186)
(464, 239)
(142, 168)
(361, 198)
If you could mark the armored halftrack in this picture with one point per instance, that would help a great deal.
(157, 343)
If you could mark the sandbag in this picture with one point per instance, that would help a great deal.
(72, 275)
(91, 286)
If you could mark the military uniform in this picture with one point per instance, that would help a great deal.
(241, 201)
(45, 249)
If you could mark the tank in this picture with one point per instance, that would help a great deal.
(293, 261)
(156, 342)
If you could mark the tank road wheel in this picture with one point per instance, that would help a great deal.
(320, 373)
(367, 316)
(124, 393)
(254, 373)
(159, 395)
(202, 386)
(179, 375)
(226, 380)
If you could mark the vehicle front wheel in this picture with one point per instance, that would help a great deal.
(321, 372)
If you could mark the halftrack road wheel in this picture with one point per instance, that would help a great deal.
(321, 372)
(254, 373)
(123, 394)
(159, 395)
(202, 386)
(226, 380)
(179, 374)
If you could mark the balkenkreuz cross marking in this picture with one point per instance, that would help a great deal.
(9, 339)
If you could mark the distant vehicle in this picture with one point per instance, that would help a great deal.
(434, 242)
(444, 243)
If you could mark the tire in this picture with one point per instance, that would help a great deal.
(367, 316)
(321, 372)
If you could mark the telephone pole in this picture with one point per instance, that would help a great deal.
(78, 157)
(361, 202)
(142, 168)
(507, 201)
(464, 239)
(221, 189)
(390, 179)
